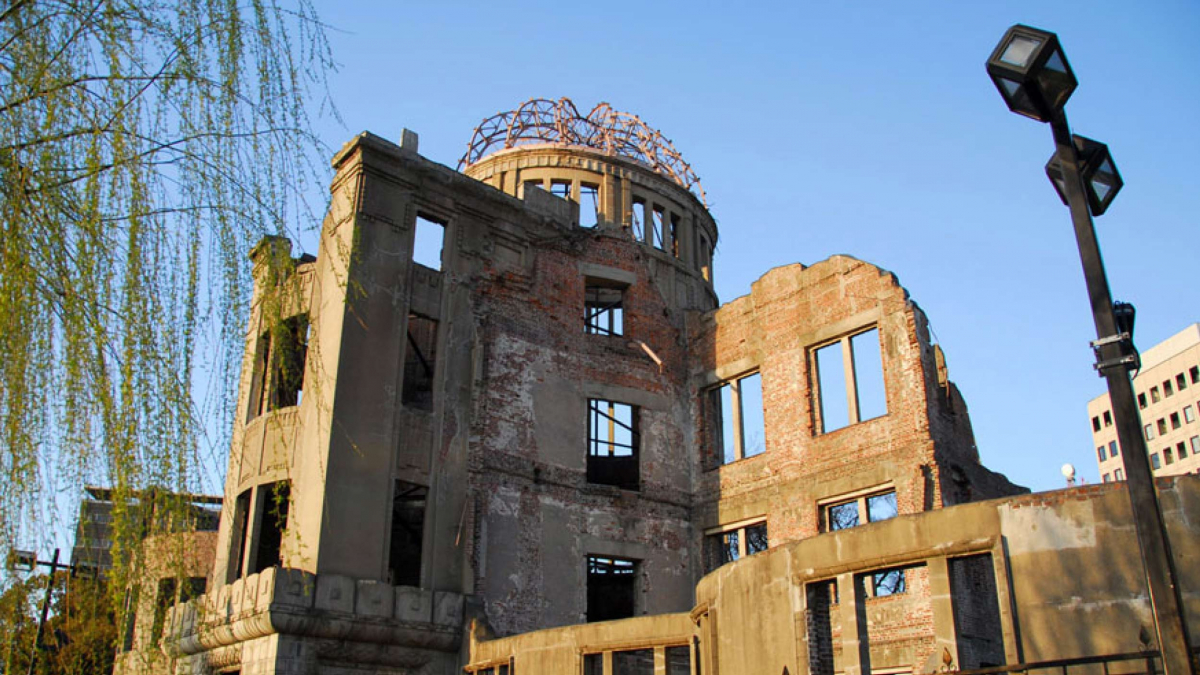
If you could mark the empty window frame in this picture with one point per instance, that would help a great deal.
(735, 542)
(885, 583)
(277, 380)
(704, 257)
(849, 381)
(240, 535)
(561, 188)
(603, 308)
(420, 362)
(1168, 455)
(737, 407)
(679, 660)
(613, 442)
(162, 602)
(1162, 426)
(1180, 382)
(1194, 374)
(611, 588)
(429, 239)
(1154, 397)
(658, 228)
(274, 502)
(1095, 424)
(589, 205)
(675, 228)
(1181, 450)
(840, 513)
(1168, 390)
(638, 220)
(129, 616)
(633, 662)
(408, 533)
(1141, 398)
(1175, 423)
(1107, 418)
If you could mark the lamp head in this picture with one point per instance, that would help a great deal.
(1031, 72)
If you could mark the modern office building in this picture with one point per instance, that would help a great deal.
(1168, 395)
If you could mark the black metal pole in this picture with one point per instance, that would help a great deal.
(41, 629)
(1165, 601)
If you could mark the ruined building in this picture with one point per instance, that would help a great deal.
(554, 423)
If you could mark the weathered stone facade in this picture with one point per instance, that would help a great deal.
(476, 442)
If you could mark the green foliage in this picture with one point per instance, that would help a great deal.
(79, 632)
(144, 148)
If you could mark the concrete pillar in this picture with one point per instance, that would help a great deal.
(856, 644)
(943, 608)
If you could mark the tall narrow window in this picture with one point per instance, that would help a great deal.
(1180, 382)
(658, 230)
(613, 442)
(1168, 390)
(611, 588)
(638, 221)
(239, 535)
(589, 205)
(1194, 374)
(603, 313)
(408, 531)
(1112, 449)
(428, 241)
(1154, 396)
(162, 602)
(704, 257)
(675, 221)
(1107, 418)
(420, 360)
(129, 616)
(739, 409)
(1141, 398)
(274, 502)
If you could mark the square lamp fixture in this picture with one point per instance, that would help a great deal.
(1031, 72)
(1101, 179)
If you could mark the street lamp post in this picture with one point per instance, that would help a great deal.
(1033, 75)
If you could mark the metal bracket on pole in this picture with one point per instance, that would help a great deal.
(1130, 361)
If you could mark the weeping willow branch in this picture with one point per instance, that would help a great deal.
(145, 147)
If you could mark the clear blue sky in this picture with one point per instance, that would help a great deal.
(865, 128)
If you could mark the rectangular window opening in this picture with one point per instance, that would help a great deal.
(1095, 424)
(603, 309)
(1119, 474)
(840, 514)
(1162, 426)
(240, 535)
(1107, 418)
(1112, 449)
(274, 502)
(1194, 374)
(561, 188)
(1107, 478)
(736, 543)
(1100, 453)
(658, 229)
(1168, 456)
(408, 533)
(739, 409)
(163, 601)
(633, 662)
(675, 222)
(1181, 450)
(679, 660)
(1154, 397)
(589, 205)
(1175, 423)
(1168, 390)
(1149, 428)
(886, 583)
(638, 221)
(1141, 403)
(1195, 441)
(1155, 463)
(1189, 415)
(1180, 382)
(428, 242)
(611, 588)
(420, 362)
(613, 442)
(850, 381)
